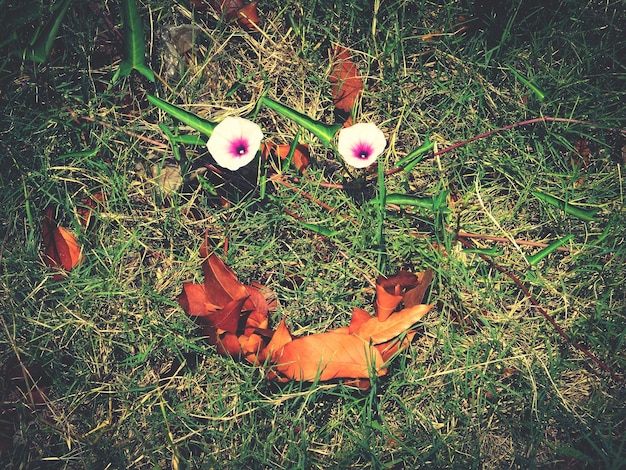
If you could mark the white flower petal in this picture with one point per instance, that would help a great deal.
(231, 134)
(361, 144)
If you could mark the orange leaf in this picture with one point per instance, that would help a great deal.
(385, 302)
(347, 83)
(300, 157)
(194, 300)
(220, 282)
(247, 15)
(359, 317)
(389, 292)
(227, 319)
(327, 356)
(279, 339)
(378, 331)
(61, 249)
(260, 308)
(388, 349)
(251, 346)
(228, 344)
(415, 295)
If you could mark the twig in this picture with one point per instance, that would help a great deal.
(513, 126)
(79, 118)
(279, 179)
(599, 362)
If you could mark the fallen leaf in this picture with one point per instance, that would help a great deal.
(220, 282)
(228, 344)
(233, 316)
(390, 348)
(61, 249)
(227, 319)
(194, 300)
(389, 292)
(279, 339)
(359, 317)
(246, 14)
(327, 356)
(300, 157)
(346, 80)
(378, 331)
(415, 295)
(87, 206)
(386, 302)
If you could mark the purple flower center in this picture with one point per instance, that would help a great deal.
(362, 150)
(239, 147)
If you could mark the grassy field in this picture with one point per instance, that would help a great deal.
(123, 378)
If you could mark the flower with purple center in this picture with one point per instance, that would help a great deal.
(361, 144)
(234, 142)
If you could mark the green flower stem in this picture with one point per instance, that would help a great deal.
(430, 203)
(134, 44)
(382, 201)
(199, 124)
(324, 132)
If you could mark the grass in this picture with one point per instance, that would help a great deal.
(488, 382)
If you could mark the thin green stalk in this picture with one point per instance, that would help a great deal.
(381, 203)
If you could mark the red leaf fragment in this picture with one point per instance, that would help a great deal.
(87, 206)
(246, 14)
(300, 157)
(415, 295)
(61, 249)
(346, 80)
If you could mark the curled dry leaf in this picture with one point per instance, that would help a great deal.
(230, 314)
(389, 292)
(415, 295)
(346, 80)
(61, 249)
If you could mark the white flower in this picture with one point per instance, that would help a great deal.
(361, 144)
(234, 142)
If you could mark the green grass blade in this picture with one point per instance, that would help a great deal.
(414, 157)
(534, 259)
(199, 124)
(540, 94)
(135, 45)
(582, 214)
(319, 229)
(292, 149)
(380, 234)
(41, 44)
(423, 202)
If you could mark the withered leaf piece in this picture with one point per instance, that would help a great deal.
(346, 80)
